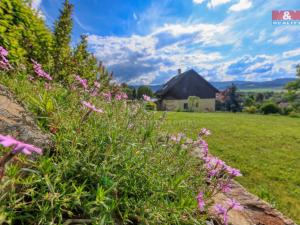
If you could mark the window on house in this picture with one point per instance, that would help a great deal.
(185, 106)
(197, 105)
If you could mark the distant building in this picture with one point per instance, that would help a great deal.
(187, 91)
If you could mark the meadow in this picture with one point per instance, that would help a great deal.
(265, 148)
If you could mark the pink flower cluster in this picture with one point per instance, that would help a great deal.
(121, 96)
(177, 138)
(219, 177)
(96, 88)
(201, 203)
(107, 96)
(223, 211)
(146, 98)
(204, 132)
(18, 146)
(39, 71)
(4, 63)
(82, 82)
(217, 168)
(91, 107)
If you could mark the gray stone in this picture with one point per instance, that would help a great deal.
(15, 121)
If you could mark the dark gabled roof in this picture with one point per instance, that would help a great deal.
(186, 84)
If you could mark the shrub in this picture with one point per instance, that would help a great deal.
(294, 114)
(287, 110)
(251, 109)
(269, 108)
(150, 105)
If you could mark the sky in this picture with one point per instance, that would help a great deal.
(147, 41)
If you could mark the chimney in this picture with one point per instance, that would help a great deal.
(179, 71)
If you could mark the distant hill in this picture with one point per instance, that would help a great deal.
(275, 85)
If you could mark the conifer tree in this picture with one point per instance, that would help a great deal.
(24, 33)
(62, 39)
(84, 63)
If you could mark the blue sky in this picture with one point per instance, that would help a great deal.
(146, 41)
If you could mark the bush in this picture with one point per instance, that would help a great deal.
(251, 109)
(150, 106)
(269, 108)
(286, 110)
(294, 114)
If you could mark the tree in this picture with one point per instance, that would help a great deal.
(293, 88)
(295, 85)
(249, 101)
(84, 63)
(144, 90)
(24, 33)
(129, 90)
(62, 39)
(229, 99)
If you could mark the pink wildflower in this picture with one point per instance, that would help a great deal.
(107, 96)
(220, 210)
(4, 63)
(92, 107)
(18, 146)
(96, 84)
(177, 138)
(225, 187)
(204, 147)
(31, 78)
(201, 203)
(233, 172)
(204, 132)
(83, 82)
(3, 51)
(233, 204)
(96, 88)
(120, 96)
(39, 71)
(146, 98)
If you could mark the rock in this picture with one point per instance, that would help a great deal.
(15, 121)
(255, 211)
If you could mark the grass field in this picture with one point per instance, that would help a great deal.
(265, 148)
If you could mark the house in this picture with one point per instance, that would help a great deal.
(187, 91)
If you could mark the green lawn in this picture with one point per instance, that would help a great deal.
(265, 148)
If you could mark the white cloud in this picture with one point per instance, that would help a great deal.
(198, 1)
(262, 36)
(141, 59)
(215, 3)
(292, 53)
(241, 5)
(282, 40)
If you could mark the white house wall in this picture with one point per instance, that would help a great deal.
(204, 105)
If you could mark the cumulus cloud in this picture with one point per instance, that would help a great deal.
(241, 5)
(291, 53)
(282, 40)
(215, 3)
(260, 67)
(139, 58)
(198, 1)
